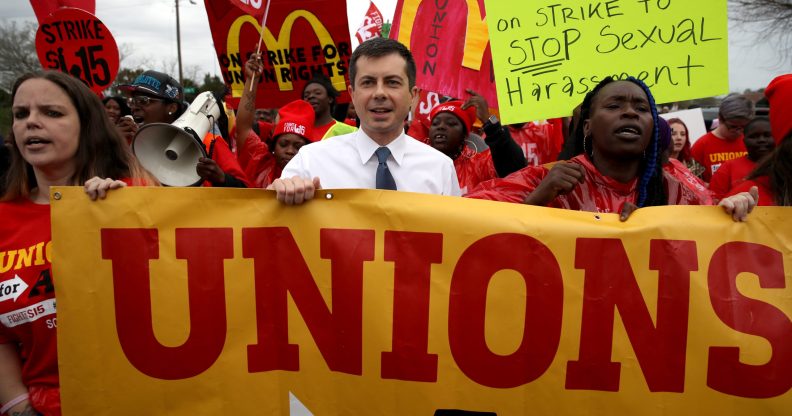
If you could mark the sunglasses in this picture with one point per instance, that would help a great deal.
(141, 100)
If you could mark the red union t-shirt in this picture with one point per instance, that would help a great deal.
(27, 295)
(711, 151)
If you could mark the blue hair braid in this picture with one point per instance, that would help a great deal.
(652, 151)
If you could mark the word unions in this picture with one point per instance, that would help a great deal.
(282, 273)
(292, 64)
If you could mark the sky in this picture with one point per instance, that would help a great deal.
(148, 29)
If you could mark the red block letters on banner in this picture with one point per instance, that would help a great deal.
(725, 371)
(204, 249)
(336, 324)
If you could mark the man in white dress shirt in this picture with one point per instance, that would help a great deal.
(379, 155)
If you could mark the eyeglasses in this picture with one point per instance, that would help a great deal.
(141, 100)
(734, 127)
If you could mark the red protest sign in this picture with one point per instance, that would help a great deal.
(44, 8)
(450, 44)
(371, 26)
(255, 8)
(300, 39)
(78, 43)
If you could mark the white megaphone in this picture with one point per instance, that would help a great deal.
(171, 151)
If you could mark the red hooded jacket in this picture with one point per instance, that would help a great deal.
(473, 168)
(258, 162)
(597, 193)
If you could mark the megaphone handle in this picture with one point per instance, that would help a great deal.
(211, 149)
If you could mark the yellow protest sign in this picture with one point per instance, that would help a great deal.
(548, 54)
(203, 301)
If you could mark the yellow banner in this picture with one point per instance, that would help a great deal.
(548, 54)
(208, 301)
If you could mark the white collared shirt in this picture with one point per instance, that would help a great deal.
(348, 161)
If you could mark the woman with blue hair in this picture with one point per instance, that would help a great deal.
(620, 168)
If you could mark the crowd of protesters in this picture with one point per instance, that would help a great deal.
(618, 156)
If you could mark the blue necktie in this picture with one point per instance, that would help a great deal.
(384, 177)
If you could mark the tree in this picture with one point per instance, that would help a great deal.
(17, 51)
(213, 83)
(770, 19)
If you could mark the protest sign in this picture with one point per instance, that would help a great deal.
(43, 8)
(549, 54)
(371, 26)
(300, 40)
(448, 39)
(385, 303)
(694, 121)
(78, 43)
(255, 8)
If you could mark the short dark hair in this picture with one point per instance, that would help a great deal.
(377, 48)
(325, 82)
(760, 119)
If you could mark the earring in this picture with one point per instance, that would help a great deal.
(170, 113)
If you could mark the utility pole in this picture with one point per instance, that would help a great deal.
(178, 44)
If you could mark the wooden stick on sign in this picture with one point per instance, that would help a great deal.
(261, 37)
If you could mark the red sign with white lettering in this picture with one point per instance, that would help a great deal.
(78, 43)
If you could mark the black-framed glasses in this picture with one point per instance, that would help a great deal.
(141, 100)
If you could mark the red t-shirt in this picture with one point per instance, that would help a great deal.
(730, 174)
(319, 132)
(27, 293)
(597, 193)
(540, 142)
(711, 151)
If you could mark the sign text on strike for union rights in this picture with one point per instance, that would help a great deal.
(548, 54)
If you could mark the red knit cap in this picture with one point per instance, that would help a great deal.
(779, 94)
(295, 117)
(468, 115)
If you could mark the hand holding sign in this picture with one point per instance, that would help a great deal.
(78, 43)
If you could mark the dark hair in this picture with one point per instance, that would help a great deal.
(778, 168)
(651, 190)
(573, 144)
(760, 119)
(125, 110)
(377, 48)
(684, 154)
(100, 151)
(325, 82)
